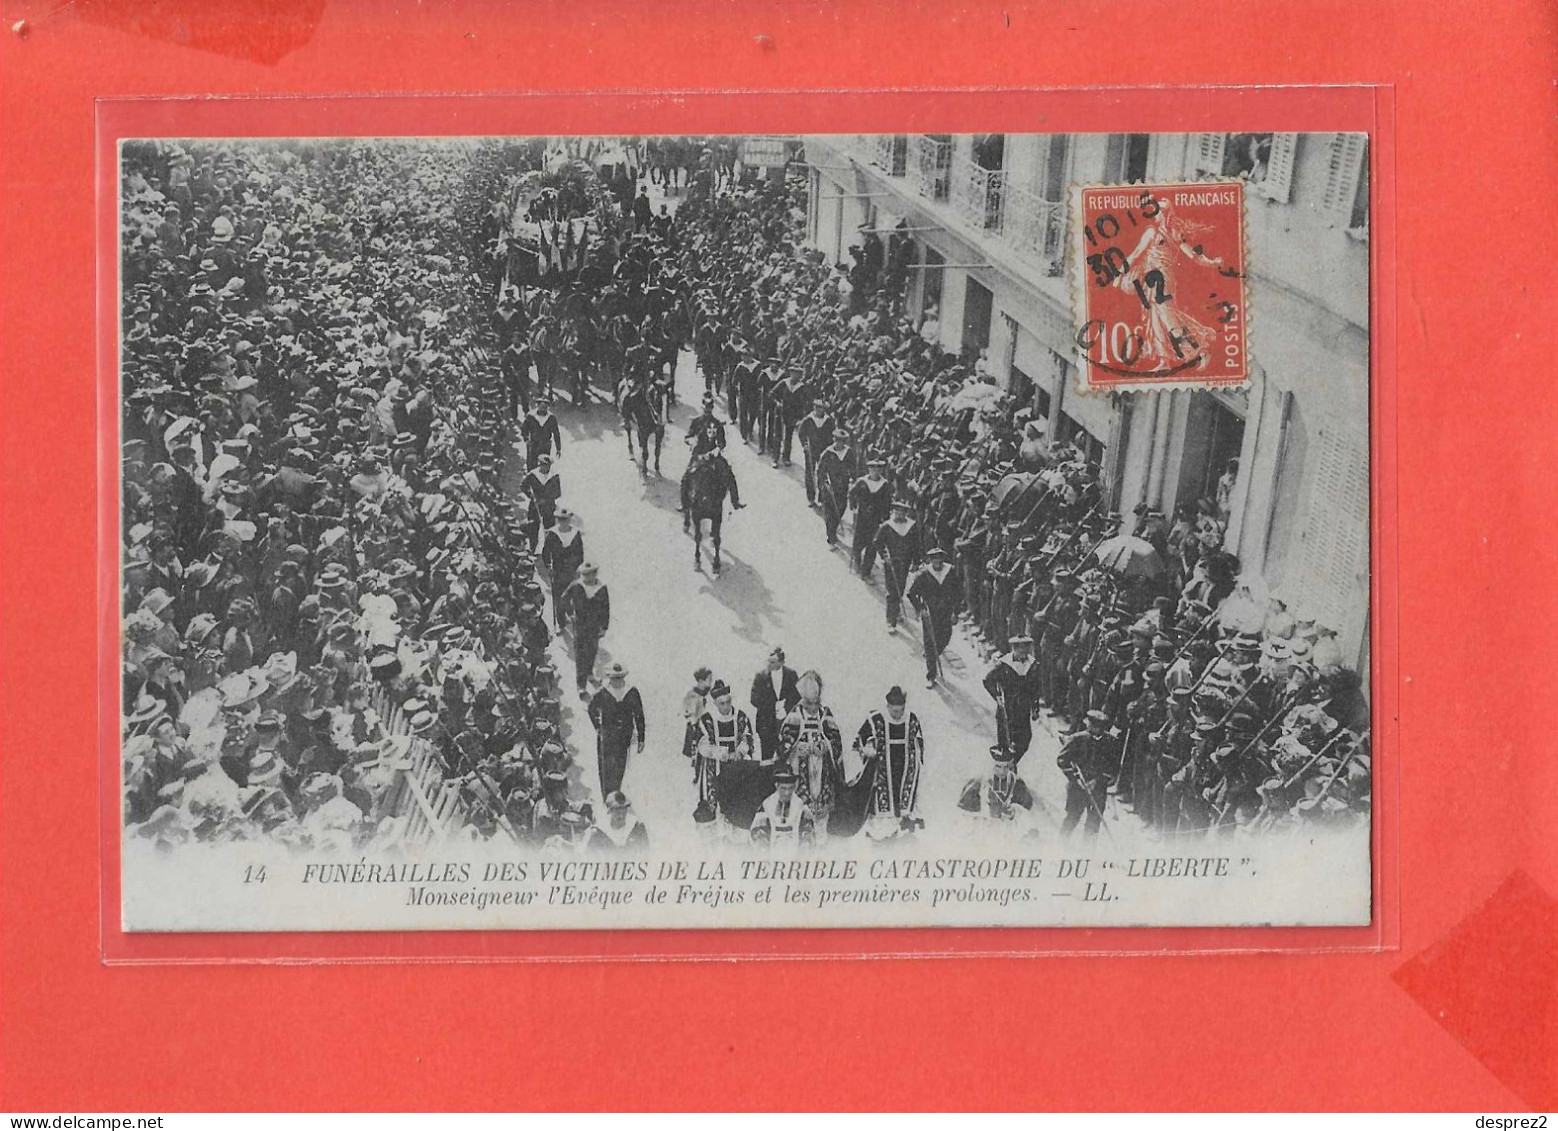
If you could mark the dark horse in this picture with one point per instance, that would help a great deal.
(644, 409)
(704, 487)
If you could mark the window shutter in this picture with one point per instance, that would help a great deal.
(1341, 177)
(1278, 184)
(1209, 153)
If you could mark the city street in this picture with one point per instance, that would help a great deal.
(781, 585)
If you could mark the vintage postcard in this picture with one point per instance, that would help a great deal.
(724, 532)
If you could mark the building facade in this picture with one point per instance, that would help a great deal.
(987, 214)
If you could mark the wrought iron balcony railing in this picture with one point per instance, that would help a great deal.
(978, 194)
(892, 154)
(931, 169)
(1036, 227)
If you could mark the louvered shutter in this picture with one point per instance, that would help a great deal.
(1209, 153)
(1278, 184)
(1341, 177)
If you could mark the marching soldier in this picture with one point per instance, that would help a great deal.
(1144, 717)
(1088, 760)
(1059, 620)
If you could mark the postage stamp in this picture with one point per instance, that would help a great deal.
(1160, 286)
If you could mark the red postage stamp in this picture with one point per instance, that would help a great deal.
(1161, 285)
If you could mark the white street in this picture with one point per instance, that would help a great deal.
(781, 585)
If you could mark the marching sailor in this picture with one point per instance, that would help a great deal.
(541, 433)
(623, 832)
(1014, 683)
(936, 591)
(898, 543)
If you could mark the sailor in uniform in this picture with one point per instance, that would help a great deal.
(898, 543)
(562, 552)
(545, 488)
(891, 746)
(784, 822)
(1015, 684)
(623, 832)
(935, 590)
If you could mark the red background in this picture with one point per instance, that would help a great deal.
(1472, 558)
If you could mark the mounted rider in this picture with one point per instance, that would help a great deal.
(706, 438)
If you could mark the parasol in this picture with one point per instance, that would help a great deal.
(1129, 556)
(973, 395)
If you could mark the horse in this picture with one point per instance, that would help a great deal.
(704, 487)
(644, 408)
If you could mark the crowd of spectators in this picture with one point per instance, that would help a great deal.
(321, 572)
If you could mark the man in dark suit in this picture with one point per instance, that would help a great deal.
(774, 696)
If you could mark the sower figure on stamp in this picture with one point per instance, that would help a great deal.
(617, 712)
(1013, 682)
(892, 746)
(587, 605)
(935, 591)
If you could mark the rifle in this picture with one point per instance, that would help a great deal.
(1265, 809)
(1073, 536)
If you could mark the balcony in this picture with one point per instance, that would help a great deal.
(931, 171)
(891, 154)
(977, 195)
(1036, 227)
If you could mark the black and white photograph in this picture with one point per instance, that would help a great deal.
(661, 532)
